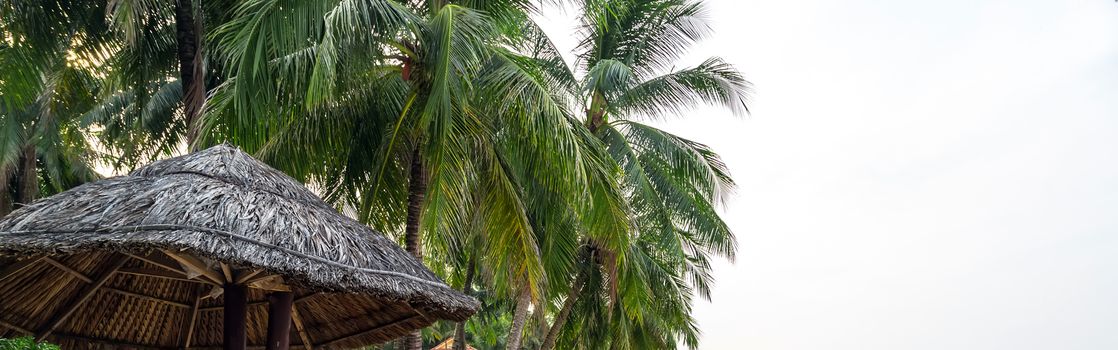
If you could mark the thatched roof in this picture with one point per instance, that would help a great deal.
(220, 206)
(448, 344)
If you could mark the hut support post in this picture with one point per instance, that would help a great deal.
(236, 305)
(279, 320)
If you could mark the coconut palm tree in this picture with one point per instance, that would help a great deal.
(162, 73)
(450, 123)
(149, 65)
(48, 68)
(164, 40)
(427, 111)
(673, 186)
(152, 71)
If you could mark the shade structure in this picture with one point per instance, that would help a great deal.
(147, 260)
(448, 344)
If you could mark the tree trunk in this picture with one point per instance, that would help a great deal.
(414, 340)
(28, 188)
(596, 113)
(5, 190)
(519, 317)
(460, 328)
(405, 69)
(565, 312)
(417, 192)
(188, 34)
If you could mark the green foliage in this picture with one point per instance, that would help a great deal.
(639, 293)
(25, 343)
(48, 75)
(540, 169)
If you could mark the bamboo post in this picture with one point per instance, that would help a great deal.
(279, 321)
(236, 305)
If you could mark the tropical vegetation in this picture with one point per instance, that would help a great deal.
(526, 177)
(25, 343)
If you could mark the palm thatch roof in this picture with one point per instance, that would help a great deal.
(448, 344)
(140, 259)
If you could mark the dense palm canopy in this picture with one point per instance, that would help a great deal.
(673, 186)
(528, 181)
(48, 81)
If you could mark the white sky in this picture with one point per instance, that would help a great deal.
(917, 175)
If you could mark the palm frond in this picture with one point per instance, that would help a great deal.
(713, 82)
(647, 35)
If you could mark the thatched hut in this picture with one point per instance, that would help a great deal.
(448, 344)
(209, 249)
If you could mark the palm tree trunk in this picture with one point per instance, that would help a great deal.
(28, 176)
(5, 190)
(405, 69)
(519, 317)
(565, 312)
(417, 191)
(188, 34)
(596, 113)
(460, 328)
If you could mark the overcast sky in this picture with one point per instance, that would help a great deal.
(917, 175)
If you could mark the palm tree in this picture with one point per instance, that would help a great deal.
(165, 38)
(149, 65)
(188, 35)
(161, 75)
(48, 68)
(449, 123)
(641, 295)
(434, 98)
